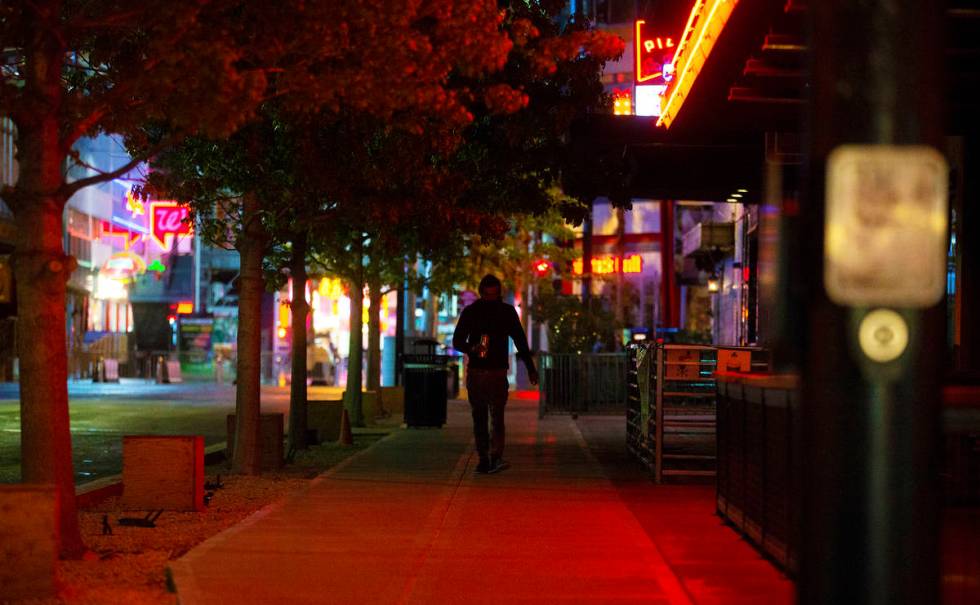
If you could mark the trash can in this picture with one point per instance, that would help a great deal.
(425, 389)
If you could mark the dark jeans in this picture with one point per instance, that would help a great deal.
(488, 397)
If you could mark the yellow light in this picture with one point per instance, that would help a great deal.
(284, 314)
(688, 60)
(282, 332)
(185, 308)
(622, 104)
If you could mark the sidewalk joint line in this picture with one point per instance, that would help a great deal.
(464, 462)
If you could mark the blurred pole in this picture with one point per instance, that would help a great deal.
(400, 330)
(869, 480)
(587, 257)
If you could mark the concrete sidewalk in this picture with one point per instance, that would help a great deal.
(407, 521)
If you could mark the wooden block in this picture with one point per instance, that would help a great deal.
(324, 416)
(28, 541)
(163, 471)
(270, 439)
(393, 399)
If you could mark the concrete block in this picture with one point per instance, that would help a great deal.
(163, 471)
(324, 417)
(270, 436)
(393, 399)
(28, 541)
(370, 406)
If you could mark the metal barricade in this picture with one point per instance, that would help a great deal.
(671, 411)
(587, 383)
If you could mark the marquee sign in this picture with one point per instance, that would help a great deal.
(167, 220)
(653, 55)
(604, 265)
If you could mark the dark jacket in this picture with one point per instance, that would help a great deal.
(499, 321)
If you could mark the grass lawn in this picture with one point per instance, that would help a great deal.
(97, 429)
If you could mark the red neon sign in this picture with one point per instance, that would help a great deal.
(653, 55)
(604, 265)
(168, 219)
(111, 230)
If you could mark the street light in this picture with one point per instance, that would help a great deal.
(714, 285)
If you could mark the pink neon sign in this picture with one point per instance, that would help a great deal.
(168, 219)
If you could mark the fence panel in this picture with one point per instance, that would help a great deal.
(588, 383)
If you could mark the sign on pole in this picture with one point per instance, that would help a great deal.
(886, 226)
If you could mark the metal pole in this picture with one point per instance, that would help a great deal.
(869, 500)
(197, 272)
(587, 258)
(400, 331)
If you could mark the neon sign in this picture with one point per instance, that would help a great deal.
(604, 265)
(167, 220)
(134, 204)
(123, 266)
(652, 56)
(704, 25)
(111, 230)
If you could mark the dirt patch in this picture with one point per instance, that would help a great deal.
(130, 566)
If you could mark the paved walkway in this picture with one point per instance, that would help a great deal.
(407, 521)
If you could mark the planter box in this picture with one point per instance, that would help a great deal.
(270, 440)
(323, 416)
(393, 399)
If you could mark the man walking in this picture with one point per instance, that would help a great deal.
(482, 333)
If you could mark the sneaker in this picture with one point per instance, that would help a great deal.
(483, 467)
(497, 465)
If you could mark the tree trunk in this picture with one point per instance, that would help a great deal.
(299, 308)
(352, 398)
(374, 335)
(42, 270)
(431, 315)
(251, 247)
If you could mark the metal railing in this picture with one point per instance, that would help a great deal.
(587, 383)
(145, 365)
(756, 466)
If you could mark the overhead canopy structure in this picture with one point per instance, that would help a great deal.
(737, 98)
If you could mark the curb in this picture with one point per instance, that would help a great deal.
(94, 492)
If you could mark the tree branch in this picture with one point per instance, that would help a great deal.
(69, 189)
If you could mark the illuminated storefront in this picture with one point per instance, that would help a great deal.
(328, 325)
